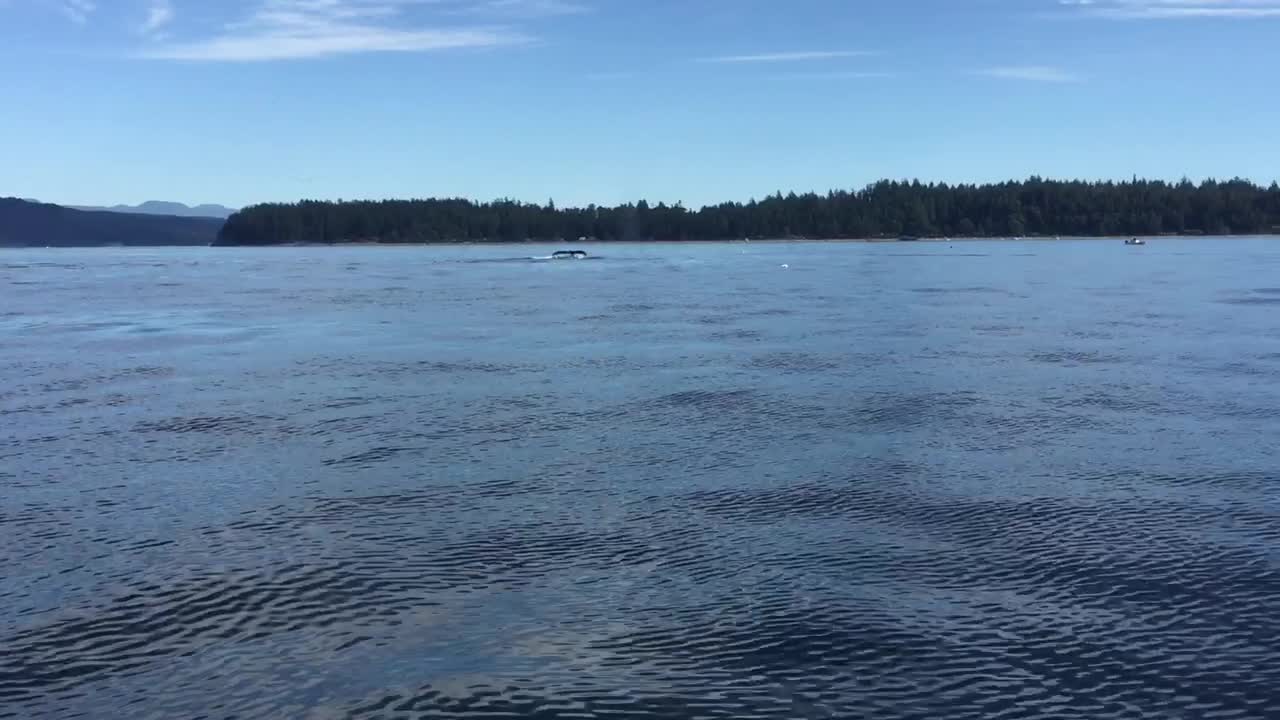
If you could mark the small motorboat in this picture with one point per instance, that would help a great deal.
(1135, 241)
(569, 255)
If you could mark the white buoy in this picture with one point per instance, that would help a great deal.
(786, 267)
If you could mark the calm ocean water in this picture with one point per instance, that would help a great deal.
(981, 480)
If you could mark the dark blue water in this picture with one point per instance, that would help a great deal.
(988, 480)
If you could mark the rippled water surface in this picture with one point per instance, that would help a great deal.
(988, 480)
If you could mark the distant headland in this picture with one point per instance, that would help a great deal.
(25, 223)
(888, 209)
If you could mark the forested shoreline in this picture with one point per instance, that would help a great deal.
(887, 209)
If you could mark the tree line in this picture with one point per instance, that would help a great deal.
(886, 209)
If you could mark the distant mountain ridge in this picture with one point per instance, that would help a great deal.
(161, 207)
(31, 224)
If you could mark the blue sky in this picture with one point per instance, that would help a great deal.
(240, 101)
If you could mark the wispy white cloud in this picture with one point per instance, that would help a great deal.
(299, 29)
(839, 75)
(519, 8)
(159, 14)
(78, 11)
(1031, 73)
(781, 57)
(1174, 9)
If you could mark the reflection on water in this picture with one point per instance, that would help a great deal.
(677, 482)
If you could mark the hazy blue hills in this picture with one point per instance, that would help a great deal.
(30, 224)
(160, 207)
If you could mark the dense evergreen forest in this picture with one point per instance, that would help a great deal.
(887, 209)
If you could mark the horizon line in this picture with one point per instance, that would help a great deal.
(1264, 183)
